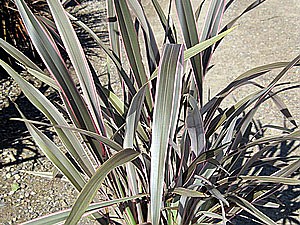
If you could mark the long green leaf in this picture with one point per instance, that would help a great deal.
(55, 155)
(132, 120)
(151, 46)
(90, 189)
(190, 34)
(211, 28)
(288, 170)
(213, 19)
(248, 207)
(112, 55)
(170, 65)
(189, 53)
(109, 142)
(59, 217)
(44, 78)
(194, 125)
(170, 33)
(68, 138)
(79, 62)
(189, 193)
(249, 75)
(31, 67)
(113, 28)
(48, 175)
(50, 54)
(18, 55)
(272, 179)
(132, 48)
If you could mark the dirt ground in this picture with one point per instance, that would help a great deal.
(269, 33)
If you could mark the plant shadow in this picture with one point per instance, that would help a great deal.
(16, 146)
(94, 16)
(285, 206)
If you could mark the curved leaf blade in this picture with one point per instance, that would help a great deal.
(170, 69)
(18, 55)
(60, 216)
(90, 189)
(78, 59)
(248, 207)
(71, 142)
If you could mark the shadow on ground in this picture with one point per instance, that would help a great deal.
(15, 144)
(285, 208)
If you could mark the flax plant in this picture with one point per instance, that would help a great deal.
(159, 152)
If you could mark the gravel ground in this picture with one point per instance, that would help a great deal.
(267, 34)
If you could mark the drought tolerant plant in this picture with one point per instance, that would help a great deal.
(159, 152)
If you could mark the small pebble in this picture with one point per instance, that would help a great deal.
(17, 176)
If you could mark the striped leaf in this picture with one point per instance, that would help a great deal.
(132, 48)
(150, 42)
(189, 53)
(56, 156)
(68, 138)
(112, 55)
(211, 28)
(248, 207)
(79, 62)
(50, 55)
(90, 189)
(109, 142)
(188, 25)
(132, 121)
(170, 69)
(61, 216)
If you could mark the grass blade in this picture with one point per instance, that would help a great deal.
(71, 142)
(272, 179)
(90, 189)
(190, 34)
(132, 48)
(248, 207)
(60, 216)
(12, 51)
(79, 62)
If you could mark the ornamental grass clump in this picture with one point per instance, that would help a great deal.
(158, 152)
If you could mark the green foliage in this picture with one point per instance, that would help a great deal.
(172, 157)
